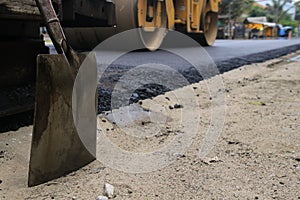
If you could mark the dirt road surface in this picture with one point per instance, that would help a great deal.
(257, 155)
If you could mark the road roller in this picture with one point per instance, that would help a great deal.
(80, 19)
(31, 78)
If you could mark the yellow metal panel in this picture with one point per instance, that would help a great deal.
(157, 22)
(142, 12)
(197, 6)
(171, 13)
(152, 11)
(214, 5)
(181, 10)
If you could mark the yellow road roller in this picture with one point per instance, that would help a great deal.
(85, 26)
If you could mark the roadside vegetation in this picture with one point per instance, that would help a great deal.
(277, 11)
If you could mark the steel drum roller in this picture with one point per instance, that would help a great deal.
(126, 11)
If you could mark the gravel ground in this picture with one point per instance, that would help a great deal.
(257, 155)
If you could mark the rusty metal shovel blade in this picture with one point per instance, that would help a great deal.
(56, 147)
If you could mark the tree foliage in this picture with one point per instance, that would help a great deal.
(277, 10)
(291, 23)
(257, 11)
(235, 8)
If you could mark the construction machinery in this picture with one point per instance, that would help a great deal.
(80, 25)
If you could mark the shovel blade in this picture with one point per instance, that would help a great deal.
(56, 147)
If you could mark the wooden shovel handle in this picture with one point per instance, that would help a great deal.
(56, 33)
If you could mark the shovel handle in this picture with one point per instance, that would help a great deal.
(56, 33)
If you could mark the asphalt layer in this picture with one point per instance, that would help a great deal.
(250, 51)
(225, 55)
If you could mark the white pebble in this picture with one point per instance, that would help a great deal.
(109, 190)
(102, 198)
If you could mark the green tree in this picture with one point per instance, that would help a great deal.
(257, 11)
(277, 10)
(235, 8)
(291, 23)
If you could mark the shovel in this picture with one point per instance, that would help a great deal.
(56, 147)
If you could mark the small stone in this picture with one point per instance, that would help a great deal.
(109, 190)
(171, 107)
(73, 198)
(98, 170)
(135, 95)
(107, 129)
(177, 106)
(215, 159)
(146, 110)
(233, 142)
(102, 198)
(103, 120)
(180, 155)
(194, 88)
(1, 156)
(257, 103)
(1, 181)
(211, 160)
(167, 98)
